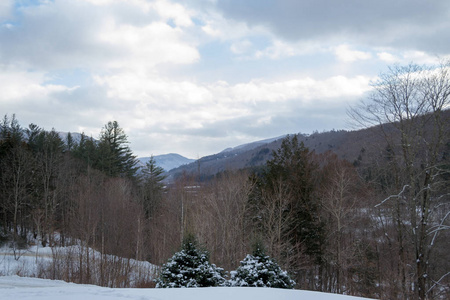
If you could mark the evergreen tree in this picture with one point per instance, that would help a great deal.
(15, 177)
(296, 167)
(152, 186)
(70, 143)
(115, 157)
(10, 131)
(259, 270)
(48, 152)
(86, 150)
(190, 267)
(34, 136)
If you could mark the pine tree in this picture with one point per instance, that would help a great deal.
(152, 186)
(295, 166)
(116, 158)
(259, 270)
(70, 142)
(86, 150)
(190, 267)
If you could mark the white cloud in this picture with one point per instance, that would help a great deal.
(147, 46)
(345, 54)
(218, 27)
(175, 11)
(241, 47)
(419, 57)
(101, 2)
(197, 112)
(304, 89)
(5, 9)
(387, 57)
(19, 86)
(100, 35)
(406, 57)
(171, 104)
(279, 49)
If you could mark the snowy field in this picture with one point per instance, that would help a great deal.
(26, 287)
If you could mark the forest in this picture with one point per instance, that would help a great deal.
(376, 227)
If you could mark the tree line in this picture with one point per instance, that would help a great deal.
(88, 191)
(377, 227)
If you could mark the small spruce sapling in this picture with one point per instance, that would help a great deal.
(259, 270)
(190, 267)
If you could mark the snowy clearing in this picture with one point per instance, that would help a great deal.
(24, 288)
(33, 259)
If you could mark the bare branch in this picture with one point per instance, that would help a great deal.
(437, 282)
(393, 196)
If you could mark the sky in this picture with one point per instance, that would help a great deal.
(196, 77)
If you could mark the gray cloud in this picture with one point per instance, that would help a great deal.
(401, 23)
(76, 34)
(48, 38)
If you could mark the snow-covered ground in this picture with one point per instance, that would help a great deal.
(26, 287)
(40, 262)
(28, 261)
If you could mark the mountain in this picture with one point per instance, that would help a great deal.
(242, 156)
(250, 146)
(359, 147)
(346, 144)
(166, 161)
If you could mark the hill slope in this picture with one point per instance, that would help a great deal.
(346, 144)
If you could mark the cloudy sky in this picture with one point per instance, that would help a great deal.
(195, 77)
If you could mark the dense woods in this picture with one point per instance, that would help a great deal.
(376, 227)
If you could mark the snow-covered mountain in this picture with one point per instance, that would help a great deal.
(166, 161)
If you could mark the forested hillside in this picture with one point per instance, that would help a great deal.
(363, 213)
(355, 146)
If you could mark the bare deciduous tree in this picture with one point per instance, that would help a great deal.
(406, 106)
(340, 193)
(220, 218)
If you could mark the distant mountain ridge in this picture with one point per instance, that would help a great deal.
(166, 161)
(346, 144)
(252, 145)
(357, 147)
(238, 157)
(173, 161)
(353, 146)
